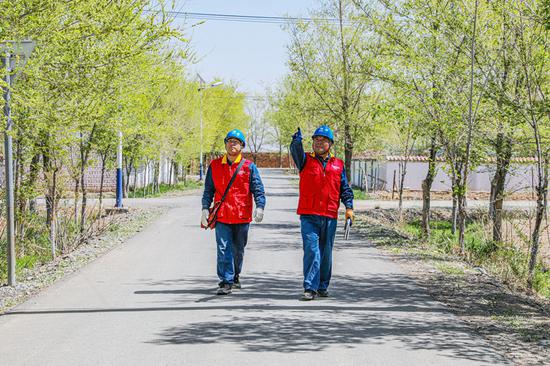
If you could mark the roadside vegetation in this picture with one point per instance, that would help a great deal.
(461, 82)
(359, 194)
(487, 291)
(165, 189)
(507, 261)
(100, 68)
(36, 272)
(464, 82)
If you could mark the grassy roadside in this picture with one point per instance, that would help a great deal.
(359, 194)
(166, 189)
(33, 241)
(503, 260)
(513, 321)
(35, 268)
(33, 279)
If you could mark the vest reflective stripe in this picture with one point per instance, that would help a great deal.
(320, 188)
(237, 207)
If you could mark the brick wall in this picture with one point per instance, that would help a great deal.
(93, 179)
(269, 159)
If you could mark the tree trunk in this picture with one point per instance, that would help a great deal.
(403, 168)
(53, 230)
(170, 171)
(76, 196)
(84, 199)
(461, 202)
(51, 205)
(184, 171)
(496, 200)
(426, 189)
(19, 198)
(464, 171)
(454, 213)
(126, 183)
(456, 198)
(542, 204)
(135, 182)
(17, 189)
(156, 187)
(280, 155)
(348, 150)
(85, 148)
(49, 198)
(102, 181)
(348, 139)
(128, 166)
(145, 178)
(33, 175)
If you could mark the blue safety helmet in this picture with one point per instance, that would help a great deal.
(235, 134)
(324, 131)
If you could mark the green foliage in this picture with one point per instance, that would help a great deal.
(330, 80)
(360, 195)
(508, 262)
(477, 242)
(470, 79)
(166, 188)
(541, 283)
(99, 68)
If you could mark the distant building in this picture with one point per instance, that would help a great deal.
(374, 172)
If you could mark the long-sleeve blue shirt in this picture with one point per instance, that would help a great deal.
(299, 157)
(256, 187)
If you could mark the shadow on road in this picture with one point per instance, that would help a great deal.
(391, 289)
(396, 311)
(316, 329)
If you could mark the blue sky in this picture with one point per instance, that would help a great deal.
(251, 54)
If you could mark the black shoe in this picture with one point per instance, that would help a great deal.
(308, 295)
(237, 283)
(224, 289)
(322, 293)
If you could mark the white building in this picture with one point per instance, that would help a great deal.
(377, 173)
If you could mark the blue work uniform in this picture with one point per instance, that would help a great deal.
(231, 239)
(318, 232)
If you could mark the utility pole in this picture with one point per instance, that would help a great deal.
(8, 165)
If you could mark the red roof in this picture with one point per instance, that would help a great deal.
(422, 158)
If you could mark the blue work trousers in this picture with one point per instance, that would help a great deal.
(231, 240)
(318, 236)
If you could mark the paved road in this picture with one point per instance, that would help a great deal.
(151, 302)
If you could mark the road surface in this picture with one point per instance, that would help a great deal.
(151, 301)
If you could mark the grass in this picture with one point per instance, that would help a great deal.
(33, 248)
(449, 269)
(504, 260)
(360, 195)
(165, 189)
(120, 229)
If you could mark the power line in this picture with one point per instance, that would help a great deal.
(247, 18)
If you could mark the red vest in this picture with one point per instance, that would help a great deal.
(237, 207)
(320, 188)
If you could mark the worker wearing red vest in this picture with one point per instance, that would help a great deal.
(235, 213)
(323, 184)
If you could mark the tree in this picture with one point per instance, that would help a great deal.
(335, 61)
(258, 126)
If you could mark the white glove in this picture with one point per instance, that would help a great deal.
(204, 217)
(258, 214)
